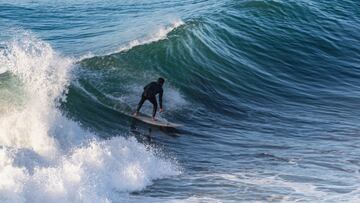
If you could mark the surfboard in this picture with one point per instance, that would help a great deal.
(160, 123)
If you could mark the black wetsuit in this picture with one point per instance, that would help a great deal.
(150, 91)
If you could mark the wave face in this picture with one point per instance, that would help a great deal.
(267, 91)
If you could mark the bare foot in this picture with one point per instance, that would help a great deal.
(136, 114)
(154, 119)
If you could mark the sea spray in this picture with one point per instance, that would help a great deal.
(44, 76)
(160, 34)
(46, 157)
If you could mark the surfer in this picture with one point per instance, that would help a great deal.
(150, 91)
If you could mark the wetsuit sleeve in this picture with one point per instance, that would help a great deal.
(146, 86)
(160, 98)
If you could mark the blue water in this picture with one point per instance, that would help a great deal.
(268, 93)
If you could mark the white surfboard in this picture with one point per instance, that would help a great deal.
(149, 120)
(2, 70)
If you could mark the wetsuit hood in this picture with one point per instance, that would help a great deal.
(161, 81)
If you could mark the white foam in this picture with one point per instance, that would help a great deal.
(45, 77)
(173, 99)
(86, 56)
(295, 191)
(193, 199)
(160, 34)
(2, 70)
(45, 157)
(92, 173)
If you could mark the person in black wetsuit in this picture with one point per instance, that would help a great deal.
(150, 91)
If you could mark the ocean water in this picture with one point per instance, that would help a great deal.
(267, 91)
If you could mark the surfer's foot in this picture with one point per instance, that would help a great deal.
(136, 114)
(154, 119)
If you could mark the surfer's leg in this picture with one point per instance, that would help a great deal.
(154, 103)
(142, 100)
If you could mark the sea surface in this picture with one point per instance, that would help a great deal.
(267, 91)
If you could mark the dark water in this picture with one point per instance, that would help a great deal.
(268, 93)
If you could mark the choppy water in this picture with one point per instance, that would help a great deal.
(268, 93)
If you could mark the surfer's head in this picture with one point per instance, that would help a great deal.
(161, 81)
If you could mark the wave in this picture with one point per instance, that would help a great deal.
(250, 80)
(45, 156)
(160, 34)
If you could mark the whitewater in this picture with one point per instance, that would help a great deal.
(47, 157)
